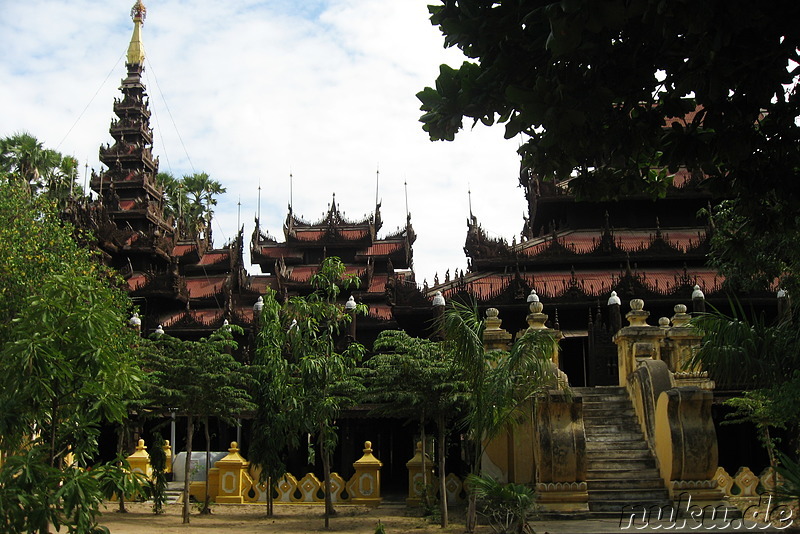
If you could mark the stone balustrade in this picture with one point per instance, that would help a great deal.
(233, 480)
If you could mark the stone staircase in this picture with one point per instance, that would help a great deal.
(621, 471)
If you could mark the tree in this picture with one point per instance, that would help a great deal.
(35, 243)
(415, 378)
(201, 193)
(604, 94)
(40, 170)
(312, 379)
(763, 360)
(67, 367)
(502, 382)
(190, 199)
(200, 379)
(275, 424)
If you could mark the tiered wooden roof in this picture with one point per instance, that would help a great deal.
(378, 262)
(183, 283)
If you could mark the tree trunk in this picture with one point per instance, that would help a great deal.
(53, 426)
(206, 501)
(188, 467)
(472, 513)
(442, 473)
(269, 496)
(326, 468)
(120, 440)
(422, 439)
(472, 508)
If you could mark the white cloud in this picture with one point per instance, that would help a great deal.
(256, 90)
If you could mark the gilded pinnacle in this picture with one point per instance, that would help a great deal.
(136, 48)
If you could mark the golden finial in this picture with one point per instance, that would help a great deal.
(136, 48)
(138, 11)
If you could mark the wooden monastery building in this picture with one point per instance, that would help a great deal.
(574, 255)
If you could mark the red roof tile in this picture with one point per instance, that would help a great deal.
(303, 273)
(126, 204)
(181, 250)
(261, 283)
(136, 281)
(586, 241)
(593, 283)
(205, 317)
(280, 251)
(381, 248)
(353, 234)
(378, 283)
(380, 311)
(205, 286)
(213, 258)
(309, 235)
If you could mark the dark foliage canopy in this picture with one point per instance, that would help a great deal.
(604, 93)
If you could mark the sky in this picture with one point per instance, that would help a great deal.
(250, 91)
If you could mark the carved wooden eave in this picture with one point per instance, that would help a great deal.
(607, 246)
(169, 285)
(581, 286)
(194, 320)
(333, 227)
(479, 246)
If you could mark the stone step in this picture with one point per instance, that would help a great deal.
(615, 484)
(604, 398)
(612, 439)
(618, 454)
(600, 390)
(621, 471)
(631, 464)
(619, 506)
(623, 428)
(622, 405)
(631, 496)
(622, 474)
(609, 413)
(607, 446)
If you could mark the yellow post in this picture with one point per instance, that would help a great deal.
(168, 452)
(232, 474)
(415, 478)
(140, 460)
(364, 486)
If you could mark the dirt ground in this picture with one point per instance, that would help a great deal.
(289, 519)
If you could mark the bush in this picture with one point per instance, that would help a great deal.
(505, 506)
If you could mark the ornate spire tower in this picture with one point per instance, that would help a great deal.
(128, 187)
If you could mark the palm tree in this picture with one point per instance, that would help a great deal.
(200, 191)
(761, 358)
(24, 158)
(502, 382)
(190, 200)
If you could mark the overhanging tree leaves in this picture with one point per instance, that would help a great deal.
(604, 94)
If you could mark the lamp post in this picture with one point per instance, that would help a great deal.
(698, 300)
(614, 313)
(350, 308)
(784, 309)
(438, 307)
(135, 323)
